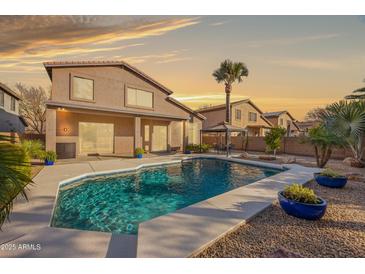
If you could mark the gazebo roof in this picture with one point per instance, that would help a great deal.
(224, 127)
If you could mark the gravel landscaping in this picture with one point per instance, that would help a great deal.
(340, 233)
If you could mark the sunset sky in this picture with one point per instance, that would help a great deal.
(295, 62)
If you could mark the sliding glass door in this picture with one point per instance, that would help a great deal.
(96, 138)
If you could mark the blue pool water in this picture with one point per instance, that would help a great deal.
(118, 203)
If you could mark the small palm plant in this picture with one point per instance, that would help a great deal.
(347, 121)
(14, 175)
(228, 73)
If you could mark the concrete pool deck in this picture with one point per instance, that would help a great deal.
(178, 234)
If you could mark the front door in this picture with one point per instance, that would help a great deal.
(159, 138)
(96, 138)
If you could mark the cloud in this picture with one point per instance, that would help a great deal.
(215, 24)
(291, 41)
(307, 64)
(49, 36)
(161, 58)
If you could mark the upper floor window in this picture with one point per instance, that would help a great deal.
(12, 103)
(82, 89)
(252, 116)
(238, 114)
(1, 98)
(139, 98)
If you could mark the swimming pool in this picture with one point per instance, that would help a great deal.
(118, 203)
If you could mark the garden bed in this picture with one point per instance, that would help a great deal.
(340, 233)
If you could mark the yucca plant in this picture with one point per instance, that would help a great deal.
(14, 175)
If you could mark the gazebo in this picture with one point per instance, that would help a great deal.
(220, 128)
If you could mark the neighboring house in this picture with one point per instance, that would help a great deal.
(110, 107)
(305, 126)
(283, 119)
(244, 114)
(11, 122)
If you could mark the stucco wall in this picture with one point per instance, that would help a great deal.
(67, 129)
(245, 109)
(109, 89)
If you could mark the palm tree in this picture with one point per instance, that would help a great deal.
(14, 175)
(347, 121)
(228, 73)
(359, 94)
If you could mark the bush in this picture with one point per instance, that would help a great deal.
(139, 151)
(33, 148)
(196, 148)
(273, 139)
(330, 173)
(298, 193)
(49, 156)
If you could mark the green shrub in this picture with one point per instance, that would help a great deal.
(298, 193)
(273, 139)
(49, 156)
(33, 148)
(330, 173)
(139, 151)
(196, 148)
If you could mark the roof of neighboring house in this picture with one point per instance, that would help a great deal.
(10, 122)
(223, 106)
(306, 124)
(56, 64)
(277, 114)
(6, 89)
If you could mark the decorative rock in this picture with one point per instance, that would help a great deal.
(289, 160)
(245, 155)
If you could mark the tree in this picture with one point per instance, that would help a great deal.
(273, 139)
(14, 175)
(314, 114)
(347, 121)
(323, 141)
(357, 93)
(228, 73)
(32, 106)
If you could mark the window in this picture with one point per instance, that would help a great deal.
(1, 98)
(139, 98)
(281, 121)
(12, 104)
(238, 114)
(252, 116)
(82, 89)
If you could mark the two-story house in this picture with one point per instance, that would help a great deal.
(11, 122)
(244, 114)
(283, 119)
(111, 107)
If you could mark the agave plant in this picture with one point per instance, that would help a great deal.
(14, 175)
(347, 121)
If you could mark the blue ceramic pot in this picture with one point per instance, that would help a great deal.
(335, 182)
(48, 163)
(139, 156)
(187, 152)
(302, 210)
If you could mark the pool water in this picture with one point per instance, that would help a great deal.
(118, 203)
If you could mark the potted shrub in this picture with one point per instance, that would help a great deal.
(139, 152)
(330, 178)
(189, 148)
(49, 157)
(302, 202)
